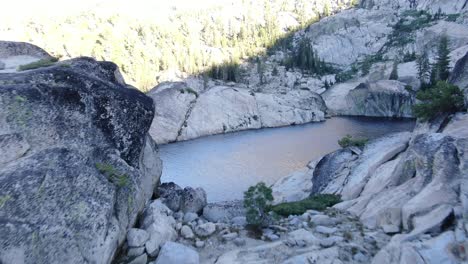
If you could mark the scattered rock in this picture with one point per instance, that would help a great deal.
(391, 229)
(175, 253)
(229, 236)
(137, 237)
(199, 244)
(205, 230)
(135, 252)
(193, 200)
(323, 220)
(302, 237)
(361, 258)
(325, 230)
(223, 211)
(143, 259)
(239, 221)
(239, 242)
(330, 241)
(159, 223)
(189, 217)
(295, 221)
(187, 232)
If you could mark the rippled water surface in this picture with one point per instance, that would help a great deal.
(226, 165)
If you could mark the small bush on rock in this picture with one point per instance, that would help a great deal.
(349, 141)
(439, 99)
(38, 64)
(257, 203)
(112, 174)
(318, 202)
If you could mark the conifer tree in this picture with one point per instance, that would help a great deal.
(443, 59)
(424, 69)
(394, 73)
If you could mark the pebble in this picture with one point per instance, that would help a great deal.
(229, 237)
(323, 220)
(187, 232)
(189, 217)
(359, 257)
(199, 244)
(325, 230)
(140, 260)
(133, 252)
(239, 242)
(137, 237)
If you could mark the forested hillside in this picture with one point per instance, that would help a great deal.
(188, 40)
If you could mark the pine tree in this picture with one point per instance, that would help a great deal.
(394, 73)
(424, 69)
(260, 70)
(443, 59)
(326, 9)
(275, 71)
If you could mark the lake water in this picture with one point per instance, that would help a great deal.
(226, 165)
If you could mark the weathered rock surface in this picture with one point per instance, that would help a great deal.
(223, 211)
(459, 76)
(78, 166)
(187, 200)
(384, 98)
(413, 184)
(175, 253)
(14, 54)
(186, 113)
(158, 222)
(350, 35)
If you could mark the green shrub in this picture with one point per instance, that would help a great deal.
(317, 202)
(346, 75)
(257, 202)
(112, 174)
(190, 90)
(38, 64)
(438, 99)
(349, 141)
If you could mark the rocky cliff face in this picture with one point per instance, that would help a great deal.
(412, 185)
(76, 166)
(362, 43)
(459, 75)
(186, 110)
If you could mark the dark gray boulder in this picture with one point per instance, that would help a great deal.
(77, 165)
(10, 48)
(459, 76)
(332, 169)
(385, 98)
(186, 200)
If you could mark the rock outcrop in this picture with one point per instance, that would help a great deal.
(410, 184)
(384, 98)
(459, 75)
(77, 166)
(14, 54)
(186, 111)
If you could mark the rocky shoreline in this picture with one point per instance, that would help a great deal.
(80, 168)
(387, 216)
(219, 234)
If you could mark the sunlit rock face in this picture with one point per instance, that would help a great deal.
(76, 166)
(186, 111)
(381, 99)
(447, 6)
(409, 184)
(459, 75)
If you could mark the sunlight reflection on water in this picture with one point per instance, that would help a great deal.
(226, 165)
